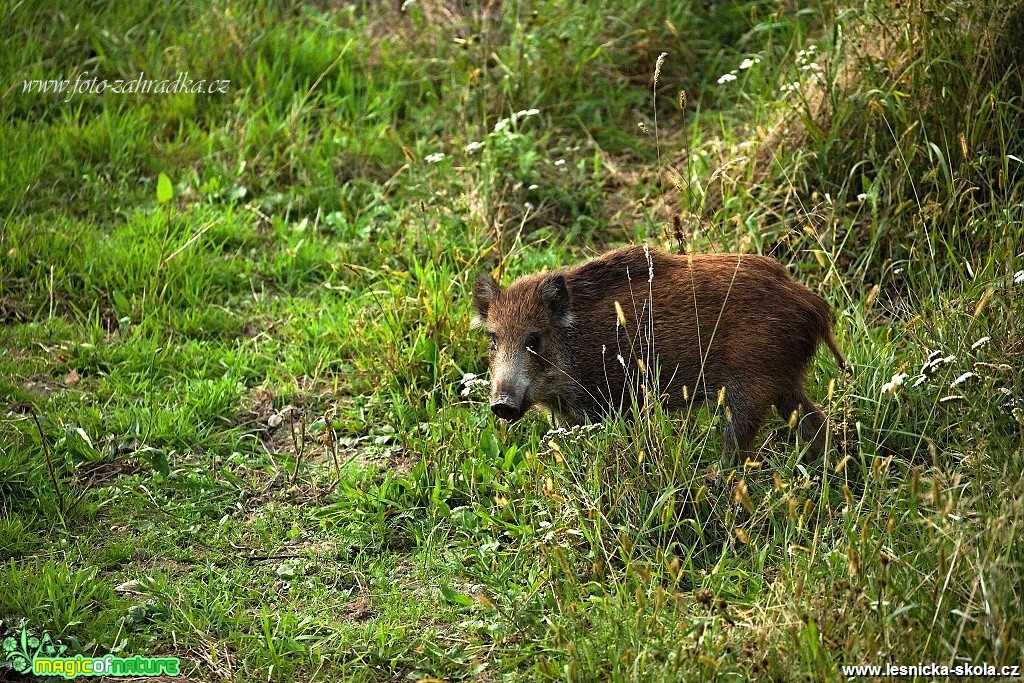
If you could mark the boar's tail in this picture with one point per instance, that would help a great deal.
(825, 321)
(821, 321)
(830, 341)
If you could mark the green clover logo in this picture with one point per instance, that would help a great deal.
(21, 652)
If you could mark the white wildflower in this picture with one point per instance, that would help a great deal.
(434, 158)
(533, 187)
(920, 380)
(981, 342)
(954, 397)
(560, 162)
(862, 196)
(473, 146)
(725, 78)
(935, 359)
(471, 382)
(407, 3)
(790, 87)
(807, 53)
(1018, 277)
(501, 125)
(961, 379)
(523, 113)
(528, 206)
(896, 381)
(749, 62)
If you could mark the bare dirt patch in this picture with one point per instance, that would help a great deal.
(305, 430)
(360, 609)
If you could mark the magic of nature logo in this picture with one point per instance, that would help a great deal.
(43, 656)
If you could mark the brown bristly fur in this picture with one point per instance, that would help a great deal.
(702, 321)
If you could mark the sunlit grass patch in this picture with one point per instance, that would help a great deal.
(238, 421)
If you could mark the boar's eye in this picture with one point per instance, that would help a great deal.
(493, 346)
(533, 342)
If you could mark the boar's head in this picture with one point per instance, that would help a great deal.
(528, 324)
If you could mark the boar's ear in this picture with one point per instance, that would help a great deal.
(555, 295)
(484, 291)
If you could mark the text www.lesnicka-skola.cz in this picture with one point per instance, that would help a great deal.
(123, 86)
(911, 670)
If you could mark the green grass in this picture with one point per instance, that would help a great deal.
(234, 425)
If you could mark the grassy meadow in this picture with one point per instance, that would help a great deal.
(244, 418)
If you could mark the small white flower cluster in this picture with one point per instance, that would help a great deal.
(961, 379)
(1018, 277)
(574, 429)
(471, 384)
(932, 363)
(744, 65)
(567, 435)
(477, 145)
(936, 360)
(805, 62)
(1013, 405)
(896, 381)
(522, 114)
(930, 367)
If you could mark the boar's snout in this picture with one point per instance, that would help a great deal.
(506, 409)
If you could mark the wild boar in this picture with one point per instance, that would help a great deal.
(585, 341)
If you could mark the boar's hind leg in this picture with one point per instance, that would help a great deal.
(811, 420)
(742, 421)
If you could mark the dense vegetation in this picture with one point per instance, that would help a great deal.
(237, 419)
